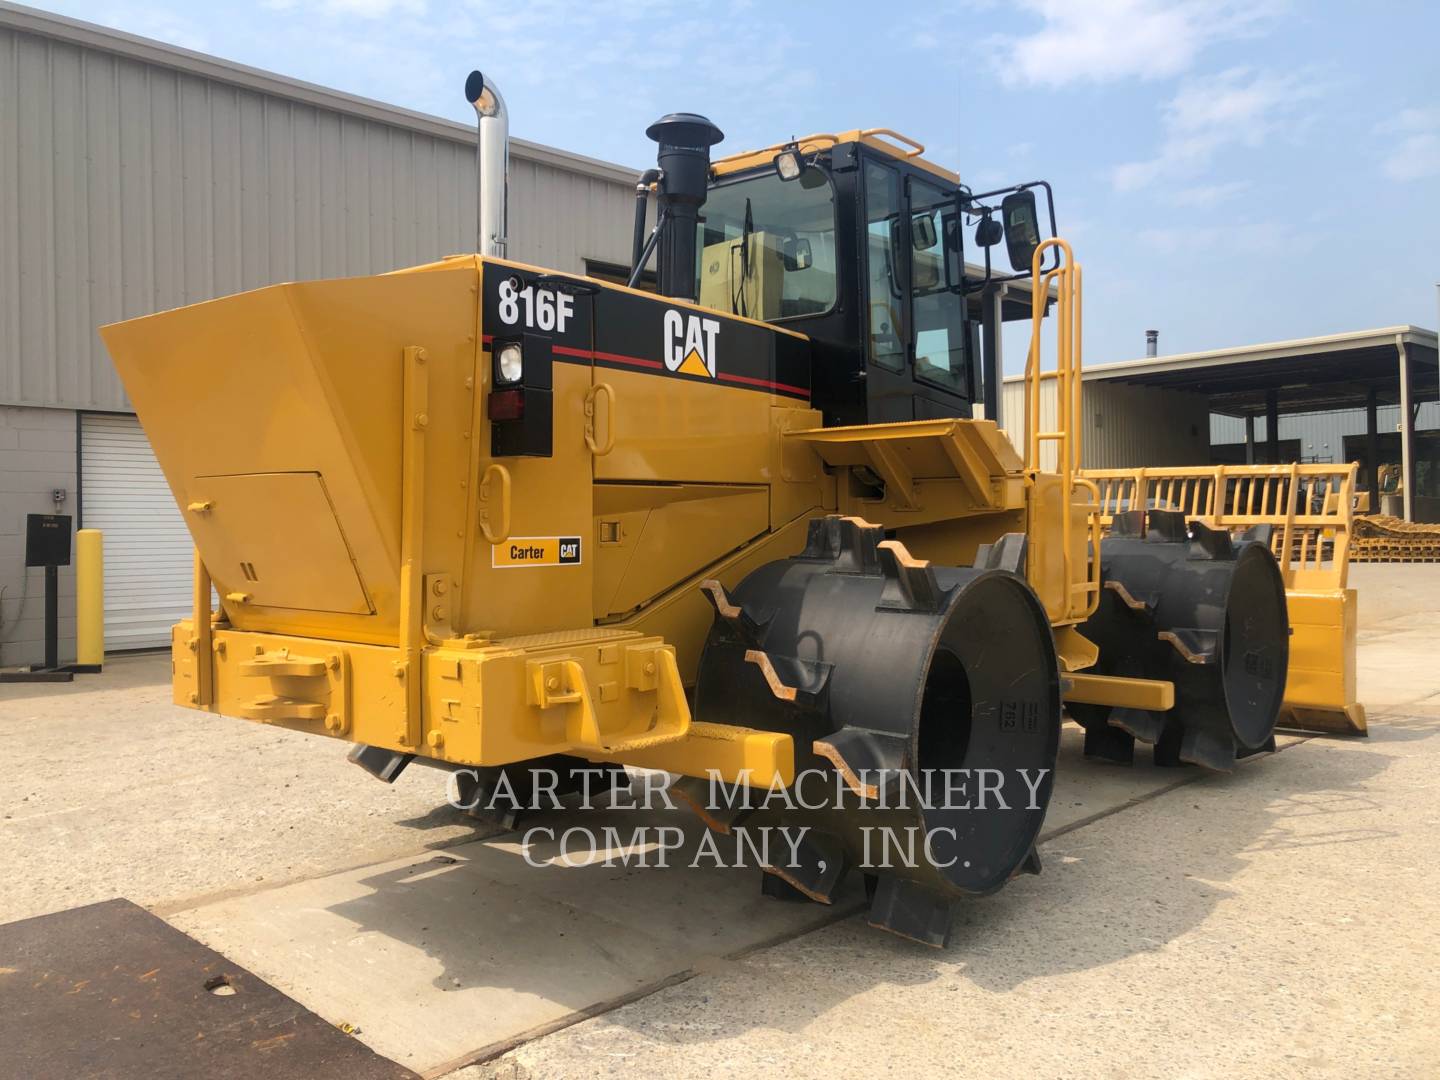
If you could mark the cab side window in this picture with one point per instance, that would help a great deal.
(884, 257)
(936, 304)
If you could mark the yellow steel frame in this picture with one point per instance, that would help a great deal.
(415, 410)
(1081, 573)
(1150, 694)
(1312, 546)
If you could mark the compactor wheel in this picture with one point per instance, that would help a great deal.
(1187, 603)
(907, 688)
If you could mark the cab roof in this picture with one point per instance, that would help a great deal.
(885, 140)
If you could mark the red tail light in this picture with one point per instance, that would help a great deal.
(506, 405)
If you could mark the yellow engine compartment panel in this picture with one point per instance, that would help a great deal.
(307, 566)
(650, 536)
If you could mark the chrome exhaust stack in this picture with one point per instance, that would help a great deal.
(492, 158)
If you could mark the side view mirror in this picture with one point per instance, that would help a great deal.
(795, 254)
(989, 232)
(922, 232)
(1022, 228)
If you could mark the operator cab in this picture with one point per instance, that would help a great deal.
(854, 240)
(857, 245)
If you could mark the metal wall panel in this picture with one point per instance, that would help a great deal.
(37, 458)
(128, 186)
(1124, 425)
(1322, 435)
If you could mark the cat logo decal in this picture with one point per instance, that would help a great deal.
(691, 343)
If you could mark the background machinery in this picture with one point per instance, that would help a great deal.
(483, 515)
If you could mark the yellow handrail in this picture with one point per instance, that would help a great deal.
(916, 148)
(1068, 362)
(1067, 276)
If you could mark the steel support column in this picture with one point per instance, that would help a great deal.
(1372, 447)
(1272, 428)
(1407, 430)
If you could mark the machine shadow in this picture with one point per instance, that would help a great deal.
(579, 936)
(1109, 891)
(582, 935)
(446, 816)
(1124, 886)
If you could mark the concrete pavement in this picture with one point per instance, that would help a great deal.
(448, 957)
(1273, 922)
(110, 790)
(1276, 922)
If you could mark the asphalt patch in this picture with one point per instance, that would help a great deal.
(110, 990)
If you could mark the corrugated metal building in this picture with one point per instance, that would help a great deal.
(135, 177)
(1123, 424)
(1219, 406)
(1318, 437)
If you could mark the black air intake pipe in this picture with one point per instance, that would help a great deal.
(684, 158)
(639, 249)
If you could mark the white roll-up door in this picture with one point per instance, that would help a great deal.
(148, 552)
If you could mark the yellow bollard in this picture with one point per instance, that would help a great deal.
(89, 599)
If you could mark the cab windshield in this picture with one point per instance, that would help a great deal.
(767, 247)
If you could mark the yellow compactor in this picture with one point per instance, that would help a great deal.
(741, 527)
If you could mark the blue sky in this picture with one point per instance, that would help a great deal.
(1230, 172)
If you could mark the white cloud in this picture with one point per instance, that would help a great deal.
(1206, 195)
(1236, 107)
(153, 23)
(1252, 238)
(1106, 40)
(373, 9)
(1417, 157)
(361, 9)
(986, 179)
(1411, 120)
(1169, 241)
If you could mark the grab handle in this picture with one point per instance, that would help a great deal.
(496, 528)
(592, 410)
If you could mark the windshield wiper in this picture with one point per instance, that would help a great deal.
(737, 302)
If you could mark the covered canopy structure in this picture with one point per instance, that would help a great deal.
(1364, 369)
